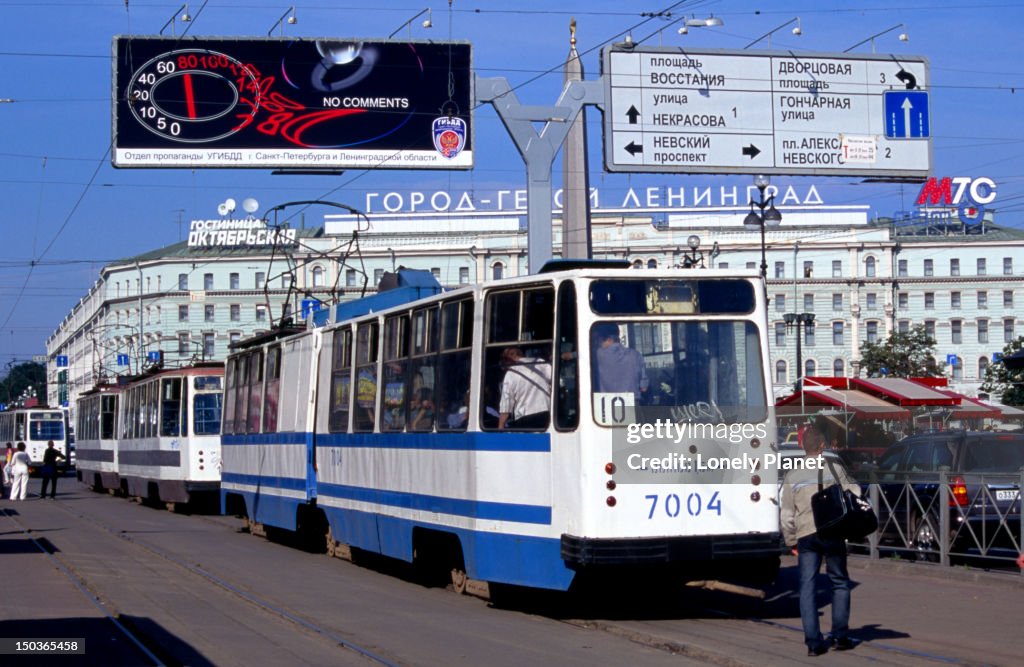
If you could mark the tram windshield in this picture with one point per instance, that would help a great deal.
(46, 426)
(699, 371)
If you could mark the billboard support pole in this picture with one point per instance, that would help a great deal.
(538, 148)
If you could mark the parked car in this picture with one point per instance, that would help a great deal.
(983, 498)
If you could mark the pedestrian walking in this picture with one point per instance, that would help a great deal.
(49, 471)
(799, 531)
(6, 463)
(19, 472)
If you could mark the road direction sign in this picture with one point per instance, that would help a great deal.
(951, 359)
(906, 114)
(764, 112)
(122, 360)
(62, 361)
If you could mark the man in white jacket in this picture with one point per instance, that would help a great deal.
(19, 472)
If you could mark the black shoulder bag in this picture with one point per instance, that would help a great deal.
(840, 513)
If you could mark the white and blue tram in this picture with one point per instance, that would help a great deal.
(168, 434)
(383, 428)
(36, 427)
(95, 443)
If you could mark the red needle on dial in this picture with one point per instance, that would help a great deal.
(190, 99)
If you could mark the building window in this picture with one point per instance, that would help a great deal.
(780, 269)
(837, 268)
(954, 267)
(1007, 266)
(981, 266)
(236, 312)
(809, 333)
(261, 312)
(872, 333)
(958, 368)
(378, 275)
(838, 368)
(808, 269)
(209, 341)
(1008, 298)
(318, 276)
(149, 287)
(780, 372)
(780, 303)
(652, 264)
(837, 333)
(780, 334)
(234, 337)
(904, 326)
(464, 275)
(498, 271)
(956, 331)
(929, 329)
(982, 331)
(837, 302)
(1008, 330)
(260, 279)
(183, 344)
(929, 267)
(436, 272)
(209, 313)
(902, 300)
(207, 281)
(808, 303)
(183, 313)
(286, 280)
(982, 300)
(872, 301)
(869, 267)
(723, 265)
(810, 368)
(637, 264)
(234, 281)
(183, 282)
(751, 265)
(350, 277)
(901, 268)
(982, 367)
(954, 300)
(929, 300)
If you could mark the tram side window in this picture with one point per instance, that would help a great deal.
(255, 392)
(242, 394)
(366, 376)
(567, 402)
(273, 389)
(108, 412)
(517, 359)
(170, 408)
(341, 380)
(451, 396)
(422, 406)
(229, 395)
(396, 351)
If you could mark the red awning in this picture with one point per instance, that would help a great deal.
(903, 392)
(971, 408)
(861, 404)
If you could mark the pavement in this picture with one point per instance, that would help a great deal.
(902, 613)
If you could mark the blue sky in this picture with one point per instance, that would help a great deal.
(67, 211)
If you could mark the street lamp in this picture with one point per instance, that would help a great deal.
(802, 322)
(797, 31)
(769, 218)
(903, 37)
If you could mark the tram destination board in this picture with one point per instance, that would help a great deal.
(291, 103)
(766, 112)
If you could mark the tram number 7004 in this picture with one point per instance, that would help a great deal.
(673, 505)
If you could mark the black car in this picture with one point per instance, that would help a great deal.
(982, 479)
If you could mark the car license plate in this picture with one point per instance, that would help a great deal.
(1007, 494)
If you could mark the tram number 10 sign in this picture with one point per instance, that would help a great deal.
(280, 103)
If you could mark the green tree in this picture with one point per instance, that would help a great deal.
(903, 355)
(1009, 383)
(20, 377)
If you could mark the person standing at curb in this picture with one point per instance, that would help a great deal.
(19, 472)
(799, 530)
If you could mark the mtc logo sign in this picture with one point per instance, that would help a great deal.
(969, 195)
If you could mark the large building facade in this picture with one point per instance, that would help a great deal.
(860, 278)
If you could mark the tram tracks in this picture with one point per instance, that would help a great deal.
(235, 590)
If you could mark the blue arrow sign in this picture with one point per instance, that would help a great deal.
(62, 361)
(951, 359)
(122, 360)
(310, 306)
(997, 357)
(906, 114)
(153, 356)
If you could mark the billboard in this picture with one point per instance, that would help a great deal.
(714, 111)
(278, 103)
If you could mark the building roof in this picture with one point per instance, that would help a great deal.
(859, 403)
